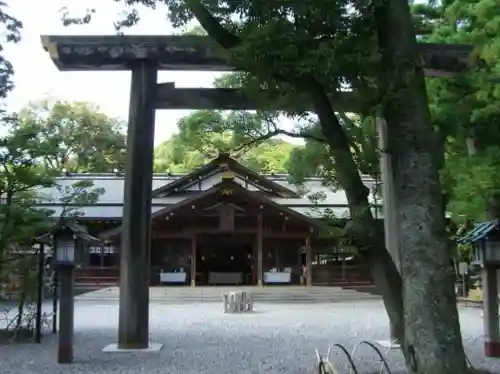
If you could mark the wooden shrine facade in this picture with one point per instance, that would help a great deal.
(223, 224)
(229, 235)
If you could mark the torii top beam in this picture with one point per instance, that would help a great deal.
(195, 53)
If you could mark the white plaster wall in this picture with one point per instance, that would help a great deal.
(113, 194)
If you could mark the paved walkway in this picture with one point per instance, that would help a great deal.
(201, 339)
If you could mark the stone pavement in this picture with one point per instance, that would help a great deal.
(199, 338)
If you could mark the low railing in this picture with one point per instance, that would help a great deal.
(97, 272)
(12, 323)
(332, 275)
(326, 364)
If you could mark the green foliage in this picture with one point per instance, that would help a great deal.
(290, 49)
(297, 39)
(75, 136)
(283, 41)
(66, 136)
(315, 160)
(75, 195)
(465, 109)
(11, 33)
(473, 183)
(21, 178)
(203, 135)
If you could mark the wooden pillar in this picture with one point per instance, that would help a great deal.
(490, 312)
(84, 250)
(308, 261)
(133, 322)
(301, 272)
(391, 230)
(39, 289)
(193, 260)
(258, 245)
(388, 196)
(115, 254)
(66, 317)
(102, 256)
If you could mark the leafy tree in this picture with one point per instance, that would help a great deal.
(75, 136)
(204, 134)
(465, 109)
(293, 48)
(21, 180)
(315, 160)
(19, 176)
(11, 28)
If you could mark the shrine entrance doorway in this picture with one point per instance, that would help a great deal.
(225, 260)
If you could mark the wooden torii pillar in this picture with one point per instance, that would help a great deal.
(133, 324)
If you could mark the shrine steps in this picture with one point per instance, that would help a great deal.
(84, 284)
(271, 294)
(366, 288)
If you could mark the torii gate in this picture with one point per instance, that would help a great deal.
(144, 56)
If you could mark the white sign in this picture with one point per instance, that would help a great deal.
(105, 249)
(463, 268)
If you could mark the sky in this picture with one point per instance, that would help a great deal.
(37, 77)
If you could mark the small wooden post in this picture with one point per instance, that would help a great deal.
(259, 250)
(102, 256)
(66, 319)
(301, 268)
(490, 312)
(193, 260)
(308, 261)
(39, 297)
(55, 295)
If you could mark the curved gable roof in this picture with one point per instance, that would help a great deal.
(220, 164)
(235, 189)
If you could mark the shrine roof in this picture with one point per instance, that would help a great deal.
(227, 188)
(221, 164)
(480, 231)
(315, 198)
(193, 52)
(228, 185)
(79, 231)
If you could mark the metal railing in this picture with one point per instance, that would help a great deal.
(327, 365)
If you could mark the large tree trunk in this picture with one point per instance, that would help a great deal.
(362, 227)
(432, 330)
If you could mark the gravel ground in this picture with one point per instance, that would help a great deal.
(199, 338)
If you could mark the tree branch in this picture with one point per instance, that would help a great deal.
(348, 176)
(272, 134)
(212, 26)
(223, 37)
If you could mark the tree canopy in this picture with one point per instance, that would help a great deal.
(203, 135)
(76, 137)
(465, 109)
(11, 33)
(22, 176)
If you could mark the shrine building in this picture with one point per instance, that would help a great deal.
(223, 224)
